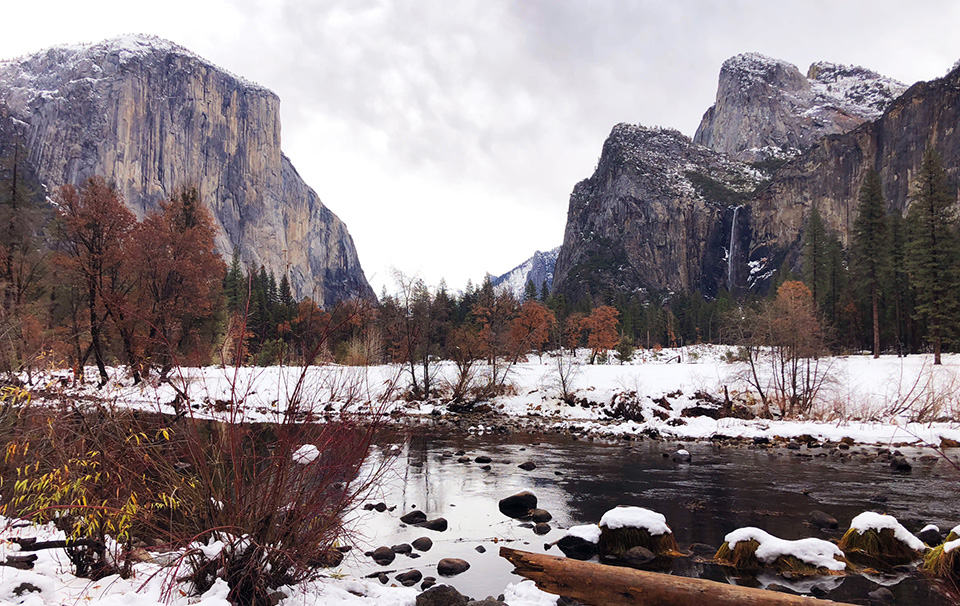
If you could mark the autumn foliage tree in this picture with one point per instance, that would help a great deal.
(179, 277)
(601, 326)
(530, 330)
(94, 225)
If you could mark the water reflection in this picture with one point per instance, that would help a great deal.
(579, 480)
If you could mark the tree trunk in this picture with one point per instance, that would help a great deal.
(601, 585)
(876, 320)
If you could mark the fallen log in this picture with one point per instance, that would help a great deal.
(602, 585)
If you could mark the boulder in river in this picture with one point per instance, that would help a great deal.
(519, 505)
(423, 544)
(448, 567)
(409, 578)
(414, 517)
(540, 515)
(438, 524)
(383, 555)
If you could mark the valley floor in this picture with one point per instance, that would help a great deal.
(672, 394)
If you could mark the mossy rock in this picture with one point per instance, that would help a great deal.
(942, 563)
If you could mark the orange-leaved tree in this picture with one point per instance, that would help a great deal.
(93, 225)
(601, 327)
(180, 278)
(531, 328)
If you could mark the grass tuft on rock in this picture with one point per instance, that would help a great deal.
(943, 563)
(743, 556)
(878, 547)
(618, 541)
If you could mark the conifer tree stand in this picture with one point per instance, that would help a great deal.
(602, 585)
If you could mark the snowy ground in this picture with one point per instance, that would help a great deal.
(888, 400)
(50, 582)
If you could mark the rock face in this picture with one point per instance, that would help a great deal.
(537, 269)
(766, 108)
(829, 174)
(153, 117)
(659, 212)
(664, 213)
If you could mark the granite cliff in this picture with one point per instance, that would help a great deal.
(664, 212)
(153, 117)
(659, 212)
(766, 108)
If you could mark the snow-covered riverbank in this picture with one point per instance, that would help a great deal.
(674, 393)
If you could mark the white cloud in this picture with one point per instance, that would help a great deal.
(448, 135)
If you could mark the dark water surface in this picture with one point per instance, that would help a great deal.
(578, 480)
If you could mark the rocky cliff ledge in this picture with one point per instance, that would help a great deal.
(154, 117)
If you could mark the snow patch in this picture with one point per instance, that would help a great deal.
(588, 532)
(635, 517)
(307, 453)
(870, 520)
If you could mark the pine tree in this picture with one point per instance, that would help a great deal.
(932, 251)
(815, 256)
(871, 246)
(234, 284)
(544, 291)
(530, 291)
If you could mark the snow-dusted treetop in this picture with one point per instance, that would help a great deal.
(815, 552)
(870, 520)
(635, 517)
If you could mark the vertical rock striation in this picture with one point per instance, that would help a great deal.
(153, 117)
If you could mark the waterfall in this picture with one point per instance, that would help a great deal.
(732, 251)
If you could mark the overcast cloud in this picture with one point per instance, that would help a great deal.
(449, 134)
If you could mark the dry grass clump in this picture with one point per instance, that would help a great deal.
(943, 564)
(875, 547)
(618, 541)
(743, 556)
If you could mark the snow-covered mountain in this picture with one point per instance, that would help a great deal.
(537, 269)
(766, 108)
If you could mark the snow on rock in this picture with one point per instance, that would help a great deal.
(951, 545)
(307, 453)
(588, 532)
(635, 517)
(26, 587)
(870, 520)
(815, 552)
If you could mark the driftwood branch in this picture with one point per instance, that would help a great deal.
(31, 544)
(602, 585)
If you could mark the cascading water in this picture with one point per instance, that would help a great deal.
(732, 251)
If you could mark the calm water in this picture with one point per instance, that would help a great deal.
(578, 480)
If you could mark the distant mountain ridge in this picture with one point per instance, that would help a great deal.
(537, 269)
(153, 117)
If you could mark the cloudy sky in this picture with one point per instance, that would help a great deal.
(449, 134)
